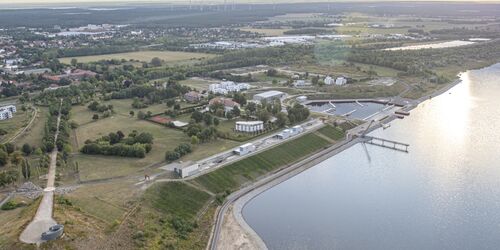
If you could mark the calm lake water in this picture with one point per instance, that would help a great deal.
(444, 194)
(449, 44)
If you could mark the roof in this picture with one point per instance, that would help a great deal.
(271, 93)
(227, 102)
(250, 122)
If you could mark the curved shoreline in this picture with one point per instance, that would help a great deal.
(301, 166)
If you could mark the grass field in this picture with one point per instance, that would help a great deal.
(332, 133)
(94, 167)
(232, 176)
(13, 125)
(34, 135)
(144, 56)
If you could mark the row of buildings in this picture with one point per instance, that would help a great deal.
(225, 87)
(339, 81)
(6, 112)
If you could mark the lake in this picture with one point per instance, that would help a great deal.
(443, 194)
(441, 45)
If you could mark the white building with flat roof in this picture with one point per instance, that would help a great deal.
(187, 170)
(225, 87)
(245, 149)
(269, 96)
(340, 81)
(329, 80)
(249, 126)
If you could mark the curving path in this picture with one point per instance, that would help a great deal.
(43, 218)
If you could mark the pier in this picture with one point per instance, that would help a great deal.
(399, 146)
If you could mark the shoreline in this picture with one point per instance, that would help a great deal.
(245, 195)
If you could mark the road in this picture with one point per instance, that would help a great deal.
(43, 218)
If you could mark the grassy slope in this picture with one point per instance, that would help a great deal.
(177, 199)
(332, 133)
(234, 175)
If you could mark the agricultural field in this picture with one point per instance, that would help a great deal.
(144, 56)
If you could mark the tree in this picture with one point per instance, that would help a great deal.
(197, 116)
(27, 149)
(16, 158)
(74, 61)
(236, 111)
(156, 62)
(281, 119)
(208, 119)
(141, 115)
(95, 117)
(26, 169)
(194, 140)
(172, 156)
(263, 115)
(251, 107)
(131, 113)
(9, 148)
(177, 106)
(216, 121)
(4, 157)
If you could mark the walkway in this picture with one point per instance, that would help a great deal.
(43, 218)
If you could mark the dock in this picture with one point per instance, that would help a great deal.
(399, 146)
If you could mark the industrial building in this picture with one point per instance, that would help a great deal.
(340, 81)
(249, 126)
(245, 149)
(287, 133)
(184, 170)
(269, 96)
(6, 112)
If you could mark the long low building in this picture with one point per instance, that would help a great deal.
(249, 126)
(269, 96)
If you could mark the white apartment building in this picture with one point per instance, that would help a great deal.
(6, 112)
(225, 87)
(250, 126)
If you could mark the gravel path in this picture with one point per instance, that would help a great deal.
(43, 218)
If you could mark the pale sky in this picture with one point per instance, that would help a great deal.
(69, 2)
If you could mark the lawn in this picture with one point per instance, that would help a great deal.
(232, 176)
(176, 198)
(197, 83)
(145, 56)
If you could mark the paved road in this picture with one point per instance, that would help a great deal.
(43, 218)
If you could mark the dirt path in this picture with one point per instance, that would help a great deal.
(43, 218)
(23, 130)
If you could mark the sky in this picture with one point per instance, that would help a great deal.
(69, 2)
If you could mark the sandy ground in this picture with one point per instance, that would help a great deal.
(233, 236)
